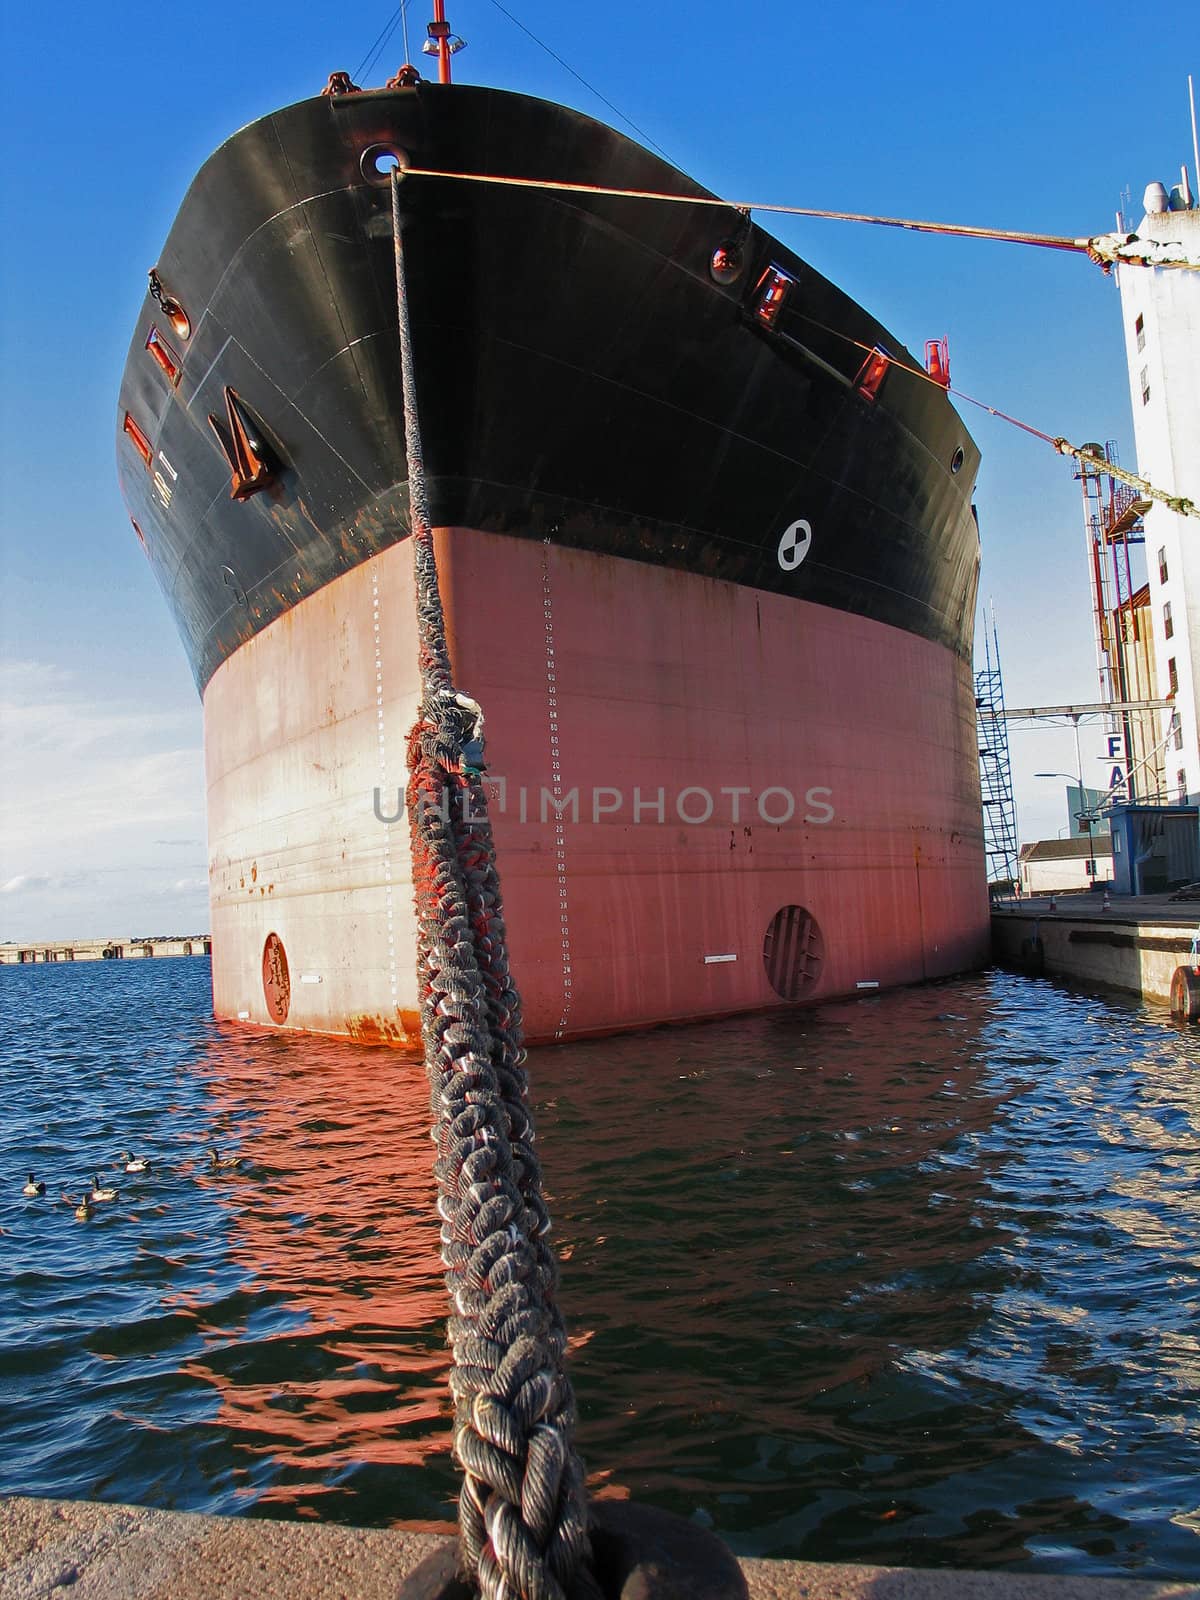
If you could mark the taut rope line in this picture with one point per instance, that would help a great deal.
(1106, 249)
(523, 1518)
(1177, 503)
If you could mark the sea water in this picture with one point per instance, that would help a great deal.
(913, 1279)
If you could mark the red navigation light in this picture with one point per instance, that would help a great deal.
(141, 443)
(937, 361)
(872, 373)
(164, 355)
(771, 290)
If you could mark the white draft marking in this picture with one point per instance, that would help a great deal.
(795, 545)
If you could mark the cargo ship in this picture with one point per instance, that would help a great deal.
(708, 561)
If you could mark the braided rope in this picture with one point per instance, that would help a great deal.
(523, 1507)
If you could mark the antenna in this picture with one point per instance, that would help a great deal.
(1195, 146)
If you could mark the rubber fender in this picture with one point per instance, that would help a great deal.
(1185, 994)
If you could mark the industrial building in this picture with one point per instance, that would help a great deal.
(1143, 553)
(1160, 310)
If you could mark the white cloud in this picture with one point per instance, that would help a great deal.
(22, 882)
(88, 783)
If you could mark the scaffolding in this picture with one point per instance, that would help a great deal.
(995, 767)
(1112, 520)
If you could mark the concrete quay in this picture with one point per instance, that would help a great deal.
(49, 1548)
(124, 949)
(1134, 945)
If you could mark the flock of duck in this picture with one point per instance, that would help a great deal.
(104, 1194)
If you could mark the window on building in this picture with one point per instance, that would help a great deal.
(1172, 676)
(1177, 730)
(1181, 784)
(1145, 383)
(1139, 328)
(1162, 564)
(1168, 624)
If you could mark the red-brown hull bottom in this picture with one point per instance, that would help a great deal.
(682, 760)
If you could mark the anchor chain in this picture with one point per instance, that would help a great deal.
(523, 1514)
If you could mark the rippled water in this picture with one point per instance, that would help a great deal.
(914, 1279)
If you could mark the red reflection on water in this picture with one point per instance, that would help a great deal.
(330, 1353)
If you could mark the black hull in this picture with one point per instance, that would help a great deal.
(581, 378)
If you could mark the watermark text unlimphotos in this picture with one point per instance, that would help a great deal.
(695, 805)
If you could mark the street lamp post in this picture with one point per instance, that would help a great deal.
(1084, 816)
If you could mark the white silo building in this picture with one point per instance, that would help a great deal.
(1160, 307)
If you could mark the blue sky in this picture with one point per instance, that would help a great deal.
(1027, 116)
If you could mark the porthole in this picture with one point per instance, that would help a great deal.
(793, 952)
(957, 459)
(379, 161)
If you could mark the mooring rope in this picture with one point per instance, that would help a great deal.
(523, 1508)
(1090, 247)
(1105, 249)
(1178, 503)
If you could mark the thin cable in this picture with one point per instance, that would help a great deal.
(566, 65)
(379, 39)
(1046, 241)
(1105, 249)
(1177, 503)
(404, 22)
(1026, 427)
(919, 372)
(381, 43)
(391, 31)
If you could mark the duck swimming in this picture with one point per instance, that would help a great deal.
(220, 1163)
(132, 1163)
(32, 1187)
(101, 1193)
(83, 1208)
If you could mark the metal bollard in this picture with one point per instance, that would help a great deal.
(640, 1553)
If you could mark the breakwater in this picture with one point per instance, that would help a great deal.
(121, 949)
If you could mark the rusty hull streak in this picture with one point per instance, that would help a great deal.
(403, 1033)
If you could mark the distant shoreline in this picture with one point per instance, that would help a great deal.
(54, 952)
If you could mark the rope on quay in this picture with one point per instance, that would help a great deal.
(1105, 249)
(523, 1507)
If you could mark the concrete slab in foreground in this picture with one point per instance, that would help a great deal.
(58, 1549)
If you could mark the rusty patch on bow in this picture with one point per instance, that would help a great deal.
(400, 1032)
